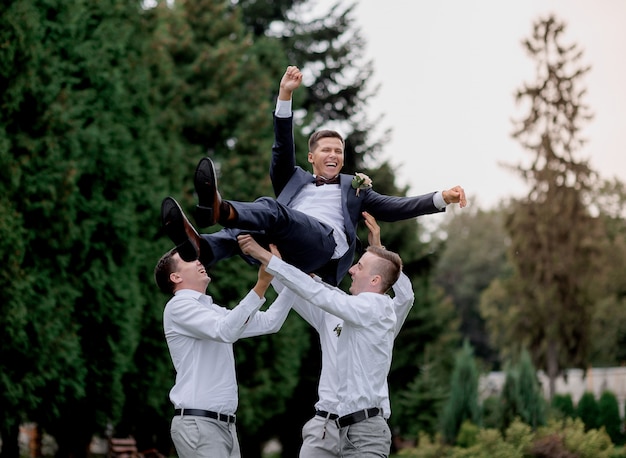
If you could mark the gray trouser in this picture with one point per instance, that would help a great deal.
(200, 437)
(320, 439)
(367, 438)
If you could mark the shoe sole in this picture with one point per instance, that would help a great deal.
(179, 229)
(205, 184)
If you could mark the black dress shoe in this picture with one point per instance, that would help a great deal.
(209, 199)
(180, 230)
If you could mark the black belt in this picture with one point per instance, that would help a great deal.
(356, 417)
(326, 415)
(206, 413)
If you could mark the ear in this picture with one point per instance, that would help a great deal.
(310, 157)
(175, 277)
(376, 279)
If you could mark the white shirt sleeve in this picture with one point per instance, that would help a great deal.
(271, 320)
(283, 108)
(438, 200)
(195, 319)
(357, 310)
(403, 300)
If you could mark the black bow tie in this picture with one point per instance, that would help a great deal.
(319, 180)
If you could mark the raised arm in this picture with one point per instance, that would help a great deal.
(283, 162)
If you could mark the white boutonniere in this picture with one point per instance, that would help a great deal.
(361, 181)
(337, 330)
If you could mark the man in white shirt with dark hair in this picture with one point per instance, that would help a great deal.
(200, 336)
(364, 345)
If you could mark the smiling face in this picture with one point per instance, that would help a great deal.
(327, 157)
(189, 275)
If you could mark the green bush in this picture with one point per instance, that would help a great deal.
(587, 411)
(468, 434)
(564, 439)
(608, 416)
(491, 412)
(562, 406)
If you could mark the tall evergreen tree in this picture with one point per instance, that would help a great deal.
(80, 138)
(532, 404)
(219, 93)
(462, 405)
(553, 236)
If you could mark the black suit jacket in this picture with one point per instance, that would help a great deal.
(288, 179)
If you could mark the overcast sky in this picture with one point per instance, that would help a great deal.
(448, 70)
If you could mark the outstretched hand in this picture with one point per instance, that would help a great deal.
(455, 195)
(290, 81)
(373, 236)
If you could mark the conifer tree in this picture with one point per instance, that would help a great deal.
(554, 238)
(587, 411)
(462, 404)
(84, 157)
(563, 404)
(609, 417)
(532, 404)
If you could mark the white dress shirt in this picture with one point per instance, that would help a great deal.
(329, 328)
(364, 345)
(200, 335)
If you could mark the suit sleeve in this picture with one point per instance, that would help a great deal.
(283, 154)
(391, 208)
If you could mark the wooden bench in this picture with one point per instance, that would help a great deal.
(126, 447)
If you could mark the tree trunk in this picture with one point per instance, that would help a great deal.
(552, 364)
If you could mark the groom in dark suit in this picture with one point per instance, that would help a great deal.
(313, 226)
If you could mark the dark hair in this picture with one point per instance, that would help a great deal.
(318, 135)
(163, 269)
(388, 267)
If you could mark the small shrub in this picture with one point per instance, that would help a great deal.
(491, 412)
(608, 416)
(587, 410)
(551, 446)
(468, 434)
(563, 405)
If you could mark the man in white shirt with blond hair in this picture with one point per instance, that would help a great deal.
(365, 343)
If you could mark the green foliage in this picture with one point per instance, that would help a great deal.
(106, 109)
(563, 405)
(468, 434)
(416, 408)
(558, 439)
(521, 395)
(532, 403)
(587, 411)
(609, 418)
(554, 237)
(462, 404)
(491, 414)
(609, 319)
(81, 145)
(464, 277)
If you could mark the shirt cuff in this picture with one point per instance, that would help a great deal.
(283, 108)
(438, 200)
